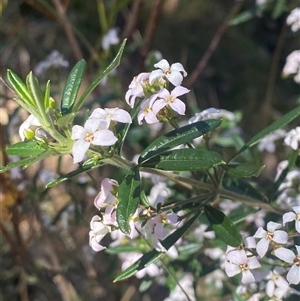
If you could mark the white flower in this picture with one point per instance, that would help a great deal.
(165, 98)
(292, 66)
(238, 262)
(172, 73)
(206, 114)
(107, 193)
(110, 114)
(268, 142)
(293, 19)
(136, 88)
(111, 38)
(272, 234)
(97, 232)
(293, 138)
(275, 280)
(94, 132)
(293, 275)
(291, 216)
(54, 60)
(25, 126)
(200, 233)
(146, 111)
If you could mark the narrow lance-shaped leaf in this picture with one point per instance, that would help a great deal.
(177, 137)
(185, 160)
(47, 97)
(282, 122)
(72, 86)
(224, 228)
(153, 255)
(20, 87)
(114, 64)
(35, 91)
(26, 148)
(128, 196)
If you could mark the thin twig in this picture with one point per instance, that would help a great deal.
(132, 19)
(212, 46)
(150, 29)
(68, 29)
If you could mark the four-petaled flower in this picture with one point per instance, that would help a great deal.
(97, 232)
(111, 38)
(165, 98)
(94, 132)
(278, 236)
(146, 111)
(172, 73)
(293, 275)
(25, 126)
(238, 262)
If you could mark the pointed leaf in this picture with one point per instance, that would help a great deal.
(72, 86)
(27, 161)
(177, 137)
(282, 122)
(128, 196)
(26, 148)
(114, 64)
(20, 87)
(74, 173)
(153, 255)
(185, 160)
(224, 228)
(47, 97)
(35, 91)
(244, 170)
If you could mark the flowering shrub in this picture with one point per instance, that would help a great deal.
(182, 194)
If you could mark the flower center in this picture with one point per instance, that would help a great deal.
(244, 267)
(147, 110)
(269, 235)
(89, 137)
(298, 217)
(170, 99)
(297, 261)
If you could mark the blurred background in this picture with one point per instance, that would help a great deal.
(233, 52)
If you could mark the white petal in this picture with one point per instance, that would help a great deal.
(104, 138)
(91, 125)
(155, 75)
(178, 91)
(122, 116)
(237, 256)
(247, 277)
(178, 106)
(297, 226)
(262, 247)
(288, 217)
(271, 226)
(293, 276)
(253, 263)
(78, 132)
(260, 233)
(79, 149)
(285, 255)
(280, 237)
(175, 78)
(297, 209)
(163, 65)
(98, 113)
(231, 269)
(178, 67)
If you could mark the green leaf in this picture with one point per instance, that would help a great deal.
(26, 148)
(224, 228)
(114, 64)
(242, 187)
(185, 160)
(74, 173)
(124, 249)
(178, 137)
(244, 170)
(72, 86)
(47, 97)
(27, 161)
(20, 87)
(279, 9)
(243, 17)
(128, 196)
(65, 120)
(35, 91)
(153, 255)
(282, 122)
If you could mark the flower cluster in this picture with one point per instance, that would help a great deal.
(97, 130)
(253, 255)
(158, 102)
(155, 220)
